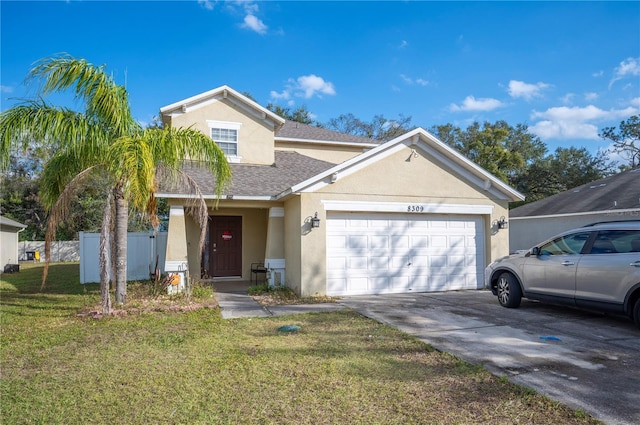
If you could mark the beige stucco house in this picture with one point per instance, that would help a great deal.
(407, 215)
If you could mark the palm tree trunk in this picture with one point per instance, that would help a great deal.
(121, 244)
(105, 262)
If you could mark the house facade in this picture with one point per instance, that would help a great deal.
(333, 214)
(613, 198)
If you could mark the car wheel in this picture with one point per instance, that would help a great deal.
(636, 313)
(509, 292)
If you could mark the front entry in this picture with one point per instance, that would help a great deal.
(225, 246)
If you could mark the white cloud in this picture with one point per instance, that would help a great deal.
(253, 23)
(549, 129)
(403, 44)
(470, 103)
(312, 85)
(591, 96)
(567, 98)
(525, 90)
(629, 67)
(411, 81)
(207, 4)
(598, 74)
(6, 89)
(576, 122)
(306, 86)
(284, 95)
(615, 158)
(249, 8)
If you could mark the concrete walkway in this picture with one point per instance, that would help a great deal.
(235, 303)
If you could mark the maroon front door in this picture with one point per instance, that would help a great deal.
(225, 246)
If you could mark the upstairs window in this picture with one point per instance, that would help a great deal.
(227, 139)
(225, 134)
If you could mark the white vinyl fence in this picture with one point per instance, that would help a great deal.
(61, 251)
(143, 249)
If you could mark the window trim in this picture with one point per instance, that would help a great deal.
(227, 125)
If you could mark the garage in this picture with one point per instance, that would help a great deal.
(377, 253)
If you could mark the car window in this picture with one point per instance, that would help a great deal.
(566, 245)
(616, 242)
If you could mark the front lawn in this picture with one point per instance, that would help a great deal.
(194, 367)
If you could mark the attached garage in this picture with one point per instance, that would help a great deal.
(377, 253)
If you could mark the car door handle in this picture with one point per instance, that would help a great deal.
(635, 264)
(568, 263)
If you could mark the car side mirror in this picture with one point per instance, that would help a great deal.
(536, 251)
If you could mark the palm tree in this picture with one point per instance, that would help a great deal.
(104, 141)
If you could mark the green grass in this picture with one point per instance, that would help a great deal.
(196, 368)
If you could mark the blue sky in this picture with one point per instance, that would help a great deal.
(566, 69)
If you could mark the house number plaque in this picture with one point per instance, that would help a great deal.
(415, 208)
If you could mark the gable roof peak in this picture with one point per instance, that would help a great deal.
(227, 93)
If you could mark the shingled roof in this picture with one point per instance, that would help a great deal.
(292, 130)
(618, 192)
(288, 169)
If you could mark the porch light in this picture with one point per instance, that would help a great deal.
(502, 223)
(315, 221)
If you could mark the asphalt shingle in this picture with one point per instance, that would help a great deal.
(299, 131)
(288, 169)
(618, 192)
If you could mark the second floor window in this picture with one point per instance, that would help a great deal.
(227, 139)
(226, 134)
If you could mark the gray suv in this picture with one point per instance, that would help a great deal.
(596, 267)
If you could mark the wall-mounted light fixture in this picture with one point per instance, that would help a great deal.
(315, 221)
(502, 223)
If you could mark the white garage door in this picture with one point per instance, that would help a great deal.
(376, 253)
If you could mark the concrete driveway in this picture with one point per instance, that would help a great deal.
(584, 360)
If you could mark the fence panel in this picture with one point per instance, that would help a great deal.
(142, 250)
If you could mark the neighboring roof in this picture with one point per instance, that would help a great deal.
(426, 142)
(295, 131)
(262, 181)
(4, 221)
(618, 192)
(223, 92)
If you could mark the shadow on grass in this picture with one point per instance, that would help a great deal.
(63, 278)
(62, 295)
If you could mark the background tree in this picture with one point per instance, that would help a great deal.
(105, 142)
(626, 140)
(301, 114)
(379, 128)
(565, 169)
(502, 150)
